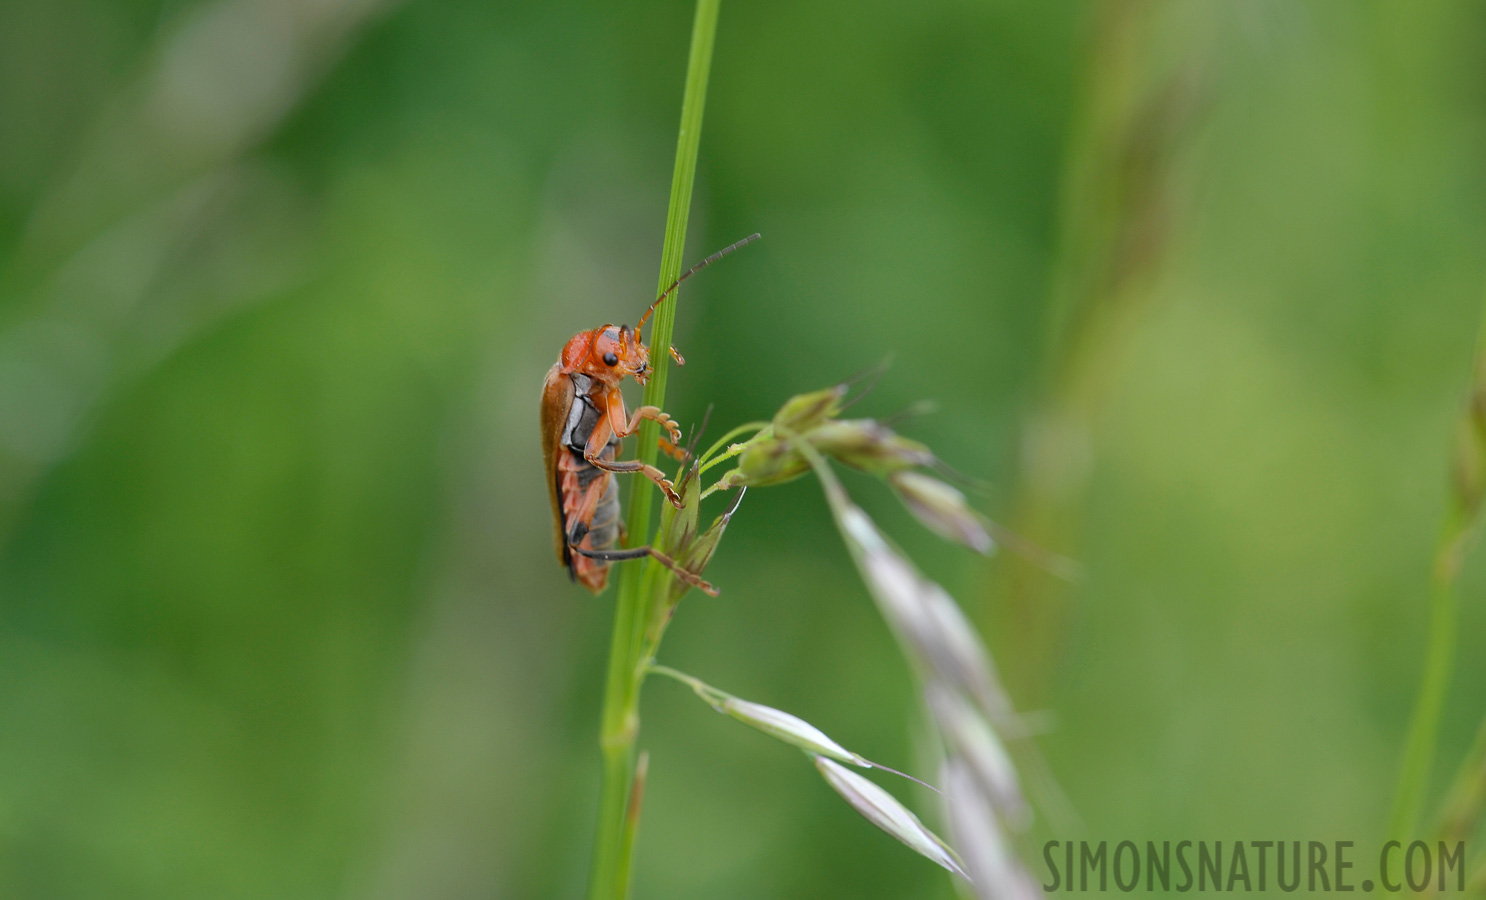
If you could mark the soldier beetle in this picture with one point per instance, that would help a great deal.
(583, 422)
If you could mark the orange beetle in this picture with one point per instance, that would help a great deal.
(583, 422)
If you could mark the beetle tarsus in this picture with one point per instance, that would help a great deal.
(669, 424)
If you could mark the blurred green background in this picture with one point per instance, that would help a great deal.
(1195, 285)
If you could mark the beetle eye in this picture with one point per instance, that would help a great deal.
(610, 359)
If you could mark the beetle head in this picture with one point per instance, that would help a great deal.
(608, 354)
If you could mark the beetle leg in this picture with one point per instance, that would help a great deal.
(599, 439)
(676, 355)
(641, 552)
(651, 472)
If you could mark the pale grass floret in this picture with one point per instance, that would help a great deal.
(788, 728)
(971, 740)
(994, 869)
(924, 616)
(981, 791)
(883, 810)
(942, 509)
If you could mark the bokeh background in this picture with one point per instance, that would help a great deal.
(1194, 285)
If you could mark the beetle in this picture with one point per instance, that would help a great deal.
(583, 423)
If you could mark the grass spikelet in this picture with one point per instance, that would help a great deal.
(942, 510)
(949, 656)
(788, 728)
(994, 870)
(883, 810)
(970, 738)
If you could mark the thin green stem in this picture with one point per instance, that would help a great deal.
(722, 441)
(732, 451)
(719, 460)
(707, 692)
(620, 723)
(721, 484)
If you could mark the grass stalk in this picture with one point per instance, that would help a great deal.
(1461, 518)
(620, 721)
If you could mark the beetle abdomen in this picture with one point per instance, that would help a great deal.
(603, 531)
(576, 476)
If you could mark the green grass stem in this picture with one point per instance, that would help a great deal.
(620, 724)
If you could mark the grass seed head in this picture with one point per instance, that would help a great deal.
(788, 728)
(925, 617)
(883, 810)
(970, 738)
(958, 655)
(942, 509)
(767, 461)
(995, 871)
(803, 412)
(869, 445)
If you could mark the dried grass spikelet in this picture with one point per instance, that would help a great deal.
(788, 728)
(923, 615)
(971, 740)
(883, 810)
(963, 694)
(995, 872)
(869, 445)
(942, 509)
(872, 801)
(776, 723)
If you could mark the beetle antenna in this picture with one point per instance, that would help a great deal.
(693, 270)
